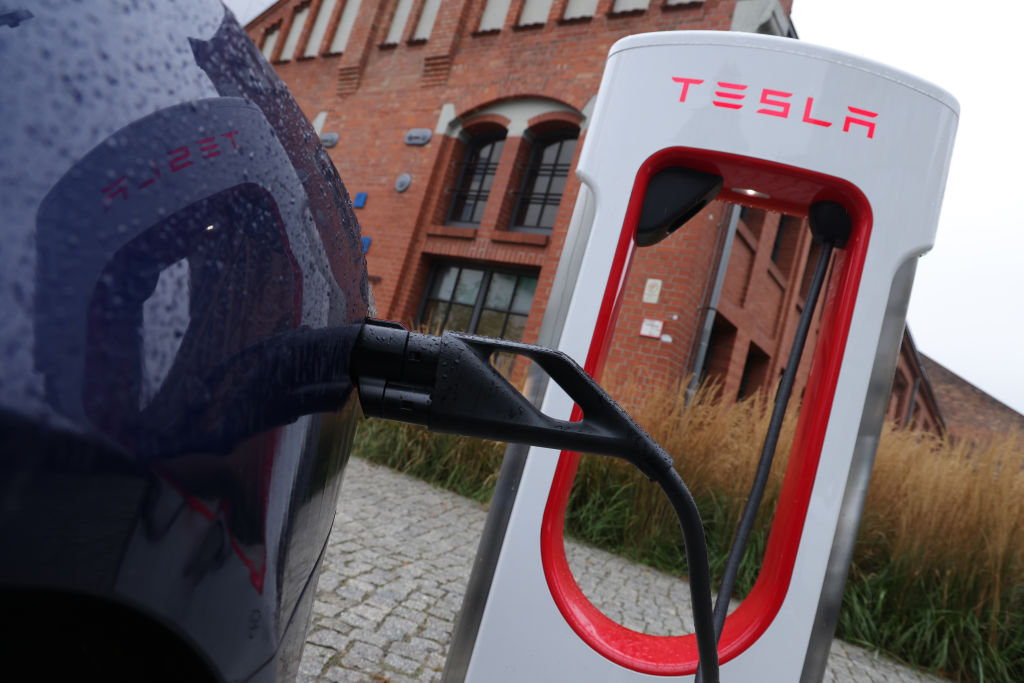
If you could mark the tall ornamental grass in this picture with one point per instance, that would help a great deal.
(937, 578)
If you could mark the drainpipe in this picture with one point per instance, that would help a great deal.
(712, 304)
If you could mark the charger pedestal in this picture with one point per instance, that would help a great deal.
(784, 125)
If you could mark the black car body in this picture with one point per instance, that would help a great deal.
(167, 215)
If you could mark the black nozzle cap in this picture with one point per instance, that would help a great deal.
(830, 222)
(674, 195)
(395, 371)
(380, 350)
(406, 404)
(371, 396)
(421, 356)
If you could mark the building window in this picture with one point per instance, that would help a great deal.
(318, 122)
(428, 15)
(579, 9)
(898, 397)
(718, 355)
(494, 15)
(770, 27)
(812, 263)
(345, 24)
(621, 6)
(479, 300)
(762, 16)
(316, 36)
(475, 178)
(543, 184)
(398, 21)
(755, 372)
(292, 41)
(270, 41)
(753, 219)
(535, 12)
(787, 237)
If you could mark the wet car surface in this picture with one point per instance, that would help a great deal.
(174, 238)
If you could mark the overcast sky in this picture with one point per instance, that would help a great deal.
(966, 311)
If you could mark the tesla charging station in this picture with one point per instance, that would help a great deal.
(784, 125)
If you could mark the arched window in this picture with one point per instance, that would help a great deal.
(476, 175)
(544, 182)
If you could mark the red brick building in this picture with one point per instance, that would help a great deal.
(914, 402)
(970, 412)
(458, 124)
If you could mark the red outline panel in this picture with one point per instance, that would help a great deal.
(790, 190)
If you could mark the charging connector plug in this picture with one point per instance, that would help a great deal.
(448, 384)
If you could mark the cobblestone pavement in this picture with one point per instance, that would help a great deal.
(397, 564)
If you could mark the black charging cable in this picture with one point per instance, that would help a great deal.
(830, 226)
(448, 384)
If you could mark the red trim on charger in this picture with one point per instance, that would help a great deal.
(791, 190)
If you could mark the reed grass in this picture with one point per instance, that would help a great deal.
(466, 466)
(938, 573)
(937, 578)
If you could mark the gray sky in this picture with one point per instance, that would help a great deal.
(247, 10)
(965, 311)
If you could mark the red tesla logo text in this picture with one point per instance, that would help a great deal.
(776, 103)
(175, 160)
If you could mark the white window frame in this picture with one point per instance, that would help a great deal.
(398, 22)
(270, 41)
(291, 42)
(494, 15)
(535, 12)
(316, 36)
(345, 24)
(428, 17)
(580, 9)
(749, 16)
(624, 6)
(318, 122)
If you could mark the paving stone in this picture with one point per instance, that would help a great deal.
(337, 674)
(400, 663)
(328, 638)
(425, 644)
(353, 620)
(325, 609)
(370, 637)
(313, 659)
(397, 628)
(397, 564)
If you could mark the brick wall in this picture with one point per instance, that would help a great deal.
(461, 81)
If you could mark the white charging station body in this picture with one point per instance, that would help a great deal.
(785, 124)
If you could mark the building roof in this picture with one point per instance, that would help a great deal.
(969, 411)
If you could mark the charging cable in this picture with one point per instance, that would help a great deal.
(448, 384)
(830, 225)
